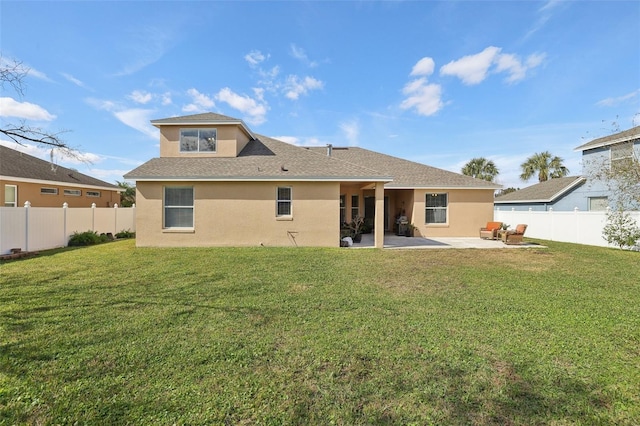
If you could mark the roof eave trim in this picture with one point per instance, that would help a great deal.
(60, 183)
(434, 187)
(586, 146)
(258, 179)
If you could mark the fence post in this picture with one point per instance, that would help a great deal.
(27, 205)
(93, 217)
(65, 205)
(115, 219)
(576, 223)
(552, 228)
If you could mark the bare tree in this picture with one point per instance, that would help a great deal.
(12, 73)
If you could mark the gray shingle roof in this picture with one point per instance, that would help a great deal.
(627, 135)
(405, 173)
(20, 165)
(543, 192)
(263, 159)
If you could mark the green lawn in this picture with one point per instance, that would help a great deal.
(112, 334)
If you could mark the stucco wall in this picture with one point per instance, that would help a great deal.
(29, 191)
(468, 210)
(230, 141)
(243, 214)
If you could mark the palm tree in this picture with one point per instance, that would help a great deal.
(128, 197)
(546, 165)
(481, 168)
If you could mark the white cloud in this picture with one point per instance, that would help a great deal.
(255, 57)
(144, 46)
(351, 130)
(472, 69)
(255, 109)
(9, 107)
(73, 80)
(140, 97)
(166, 99)
(288, 139)
(618, 100)
(301, 55)
(294, 86)
(424, 66)
(138, 119)
(425, 98)
(200, 102)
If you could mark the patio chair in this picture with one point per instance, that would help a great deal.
(490, 231)
(515, 236)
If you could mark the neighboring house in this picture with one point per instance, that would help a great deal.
(216, 183)
(607, 152)
(582, 192)
(553, 193)
(26, 178)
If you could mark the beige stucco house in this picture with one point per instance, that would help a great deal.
(25, 178)
(216, 183)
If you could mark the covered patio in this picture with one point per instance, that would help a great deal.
(392, 241)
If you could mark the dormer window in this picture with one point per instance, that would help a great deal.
(198, 140)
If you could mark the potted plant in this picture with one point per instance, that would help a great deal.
(356, 228)
(410, 230)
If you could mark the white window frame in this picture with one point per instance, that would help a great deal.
(15, 196)
(165, 207)
(598, 199)
(619, 153)
(355, 210)
(46, 190)
(72, 192)
(95, 194)
(198, 149)
(436, 208)
(284, 201)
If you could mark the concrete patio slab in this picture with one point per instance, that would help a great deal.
(392, 241)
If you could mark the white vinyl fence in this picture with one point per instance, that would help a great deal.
(41, 228)
(571, 227)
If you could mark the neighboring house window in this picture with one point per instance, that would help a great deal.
(93, 193)
(178, 207)
(598, 203)
(73, 192)
(10, 196)
(283, 201)
(621, 154)
(198, 140)
(436, 210)
(49, 191)
(355, 206)
(343, 209)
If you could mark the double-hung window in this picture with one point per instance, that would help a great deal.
(178, 207)
(621, 156)
(283, 201)
(10, 195)
(355, 206)
(436, 209)
(198, 140)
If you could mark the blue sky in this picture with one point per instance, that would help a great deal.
(434, 82)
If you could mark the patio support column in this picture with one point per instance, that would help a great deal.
(379, 219)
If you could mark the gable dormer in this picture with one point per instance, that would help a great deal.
(202, 135)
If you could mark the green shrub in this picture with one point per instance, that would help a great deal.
(126, 234)
(86, 238)
(621, 229)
